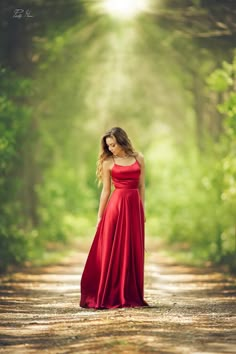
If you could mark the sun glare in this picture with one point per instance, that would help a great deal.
(123, 8)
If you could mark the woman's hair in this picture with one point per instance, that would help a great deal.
(122, 139)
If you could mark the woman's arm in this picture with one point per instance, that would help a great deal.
(106, 189)
(141, 186)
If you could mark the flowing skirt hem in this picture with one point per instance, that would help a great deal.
(107, 307)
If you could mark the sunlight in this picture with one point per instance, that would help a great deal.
(124, 8)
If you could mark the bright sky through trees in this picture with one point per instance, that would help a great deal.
(124, 8)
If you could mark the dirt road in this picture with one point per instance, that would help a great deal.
(192, 310)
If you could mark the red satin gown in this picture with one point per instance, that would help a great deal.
(114, 271)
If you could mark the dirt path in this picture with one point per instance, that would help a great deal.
(192, 311)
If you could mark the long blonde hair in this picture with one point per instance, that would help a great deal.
(122, 139)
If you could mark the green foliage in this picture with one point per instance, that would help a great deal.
(65, 200)
(14, 122)
(229, 109)
(191, 204)
(195, 202)
(13, 117)
(220, 80)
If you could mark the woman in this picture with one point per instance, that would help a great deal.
(114, 271)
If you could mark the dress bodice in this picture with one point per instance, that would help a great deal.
(126, 177)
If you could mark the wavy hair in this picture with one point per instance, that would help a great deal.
(122, 139)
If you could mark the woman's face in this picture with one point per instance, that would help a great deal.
(113, 146)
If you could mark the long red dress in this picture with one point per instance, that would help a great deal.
(114, 270)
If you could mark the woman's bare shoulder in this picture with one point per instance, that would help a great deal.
(139, 156)
(108, 163)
